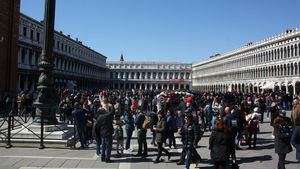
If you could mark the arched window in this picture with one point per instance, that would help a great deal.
(292, 51)
(165, 75)
(292, 69)
(296, 50)
(132, 75)
(127, 75)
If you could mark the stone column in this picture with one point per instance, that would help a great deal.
(135, 75)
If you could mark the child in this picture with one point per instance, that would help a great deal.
(119, 137)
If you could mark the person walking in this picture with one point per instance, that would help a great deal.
(252, 127)
(218, 145)
(160, 129)
(189, 140)
(283, 133)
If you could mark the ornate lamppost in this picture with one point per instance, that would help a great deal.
(47, 98)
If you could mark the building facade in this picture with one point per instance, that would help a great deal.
(272, 63)
(76, 65)
(149, 75)
(9, 29)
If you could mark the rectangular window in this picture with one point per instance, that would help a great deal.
(30, 57)
(24, 31)
(23, 53)
(38, 36)
(36, 58)
(57, 44)
(31, 34)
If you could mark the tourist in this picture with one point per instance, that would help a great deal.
(161, 131)
(283, 133)
(218, 145)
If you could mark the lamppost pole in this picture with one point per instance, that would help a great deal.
(47, 98)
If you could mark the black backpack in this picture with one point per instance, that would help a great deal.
(286, 131)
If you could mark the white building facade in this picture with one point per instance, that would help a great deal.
(269, 64)
(149, 75)
(75, 64)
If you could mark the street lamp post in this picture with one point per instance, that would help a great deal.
(47, 98)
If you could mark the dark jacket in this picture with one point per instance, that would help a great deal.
(129, 121)
(79, 117)
(189, 135)
(282, 144)
(161, 128)
(296, 141)
(104, 126)
(218, 145)
(139, 120)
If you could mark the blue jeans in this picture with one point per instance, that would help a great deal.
(106, 147)
(128, 138)
(98, 149)
(187, 157)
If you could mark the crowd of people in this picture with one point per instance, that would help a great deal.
(232, 118)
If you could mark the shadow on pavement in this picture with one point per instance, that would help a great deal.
(254, 159)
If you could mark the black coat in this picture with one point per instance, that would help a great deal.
(218, 145)
(282, 144)
(104, 124)
(161, 128)
(190, 135)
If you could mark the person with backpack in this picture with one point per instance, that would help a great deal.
(141, 132)
(252, 127)
(283, 134)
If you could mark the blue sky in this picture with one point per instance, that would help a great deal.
(168, 30)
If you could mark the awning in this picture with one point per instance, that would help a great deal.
(268, 85)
